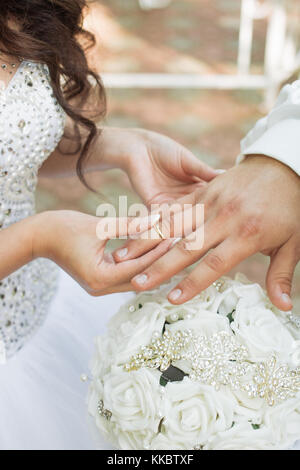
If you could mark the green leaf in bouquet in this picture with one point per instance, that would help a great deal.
(172, 374)
(164, 327)
(255, 426)
(162, 381)
(230, 316)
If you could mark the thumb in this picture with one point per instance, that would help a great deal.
(195, 168)
(280, 277)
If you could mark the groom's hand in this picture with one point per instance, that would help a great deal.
(254, 207)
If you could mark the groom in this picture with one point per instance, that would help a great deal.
(254, 207)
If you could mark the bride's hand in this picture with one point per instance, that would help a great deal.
(252, 208)
(72, 240)
(159, 168)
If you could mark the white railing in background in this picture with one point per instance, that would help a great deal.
(281, 57)
(246, 36)
(184, 80)
(281, 43)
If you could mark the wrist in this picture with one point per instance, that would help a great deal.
(264, 161)
(114, 148)
(271, 172)
(42, 230)
(120, 146)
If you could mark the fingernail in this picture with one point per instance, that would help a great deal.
(174, 242)
(286, 299)
(122, 253)
(220, 171)
(175, 294)
(141, 279)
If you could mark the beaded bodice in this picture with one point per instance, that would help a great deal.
(31, 126)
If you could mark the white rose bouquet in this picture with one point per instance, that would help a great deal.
(219, 372)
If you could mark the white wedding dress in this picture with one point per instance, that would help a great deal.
(45, 343)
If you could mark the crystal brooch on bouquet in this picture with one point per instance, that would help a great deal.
(219, 360)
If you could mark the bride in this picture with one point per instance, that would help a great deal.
(48, 109)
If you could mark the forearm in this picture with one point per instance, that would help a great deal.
(108, 151)
(16, 245)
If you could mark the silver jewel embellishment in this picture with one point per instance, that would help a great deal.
(219, 285)
(219, 360)
(103, 412)
(9, 67)
(273, 382)
(22, 124)
(294, 319)
(161, 352)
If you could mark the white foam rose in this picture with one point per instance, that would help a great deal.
(250, 409)
(131, 330)
(234, 292)
(284, 421)
(242, 436)
(225, 302)
(250, 295)
(205, 324)
(103, 357)
(194, 412)
(99, 423)
(262, 332)
(161, 442)
(133, 399)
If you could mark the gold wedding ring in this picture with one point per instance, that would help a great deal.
(159, 232)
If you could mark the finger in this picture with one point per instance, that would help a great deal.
(180, 221)
(135, 248)
(195, 168)
(280, 276)
(124, 285)
(216, 264)
(113, 227)
(123, 272)
(185, 253)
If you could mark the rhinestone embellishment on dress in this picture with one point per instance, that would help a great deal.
(31, 126)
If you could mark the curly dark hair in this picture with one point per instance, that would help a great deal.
(51, 32)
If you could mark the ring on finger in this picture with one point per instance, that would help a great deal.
(159, 232)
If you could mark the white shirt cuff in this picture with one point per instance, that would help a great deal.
(281, 142)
